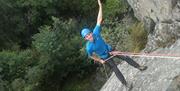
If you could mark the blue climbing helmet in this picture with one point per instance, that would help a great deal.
(84, 32)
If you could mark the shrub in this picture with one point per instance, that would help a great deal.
(138, 37)
(60, 43)
(18, 85)
(117, 35)
(14, 66)
(114, 8)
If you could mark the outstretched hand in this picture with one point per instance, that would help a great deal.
(102, 61)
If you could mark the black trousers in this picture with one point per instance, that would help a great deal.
(114, 67)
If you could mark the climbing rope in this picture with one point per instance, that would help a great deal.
(157, 55)
(152, 55)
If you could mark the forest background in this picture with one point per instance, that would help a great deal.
(41, 48)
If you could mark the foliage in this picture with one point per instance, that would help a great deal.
(40, 52)
(123, 37)
(77, 85)
(18, 85)
(138, 37)
(74, 7)
(20, 19)
(14, 66)
(117, 34)
(61, 44)
(114, 8)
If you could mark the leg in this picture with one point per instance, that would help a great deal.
(129, 61)
(114, 67)
(132, 62)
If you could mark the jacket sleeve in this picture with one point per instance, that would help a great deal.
(97, 30)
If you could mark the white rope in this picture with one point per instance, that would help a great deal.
(132, 55)
(158, 55)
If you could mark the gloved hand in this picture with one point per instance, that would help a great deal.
(102, 61)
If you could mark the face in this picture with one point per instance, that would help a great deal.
(89, 37)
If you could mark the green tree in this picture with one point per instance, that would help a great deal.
(115, 8)
(61, 43)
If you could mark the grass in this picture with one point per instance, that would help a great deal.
(87, 83)
(138, 37)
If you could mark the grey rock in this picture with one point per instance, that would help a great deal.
(175, 85)
(158, 10)
(162, 21)
(149, 24)
(164, 35)
(157, 77)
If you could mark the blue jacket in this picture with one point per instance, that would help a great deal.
(98, 45)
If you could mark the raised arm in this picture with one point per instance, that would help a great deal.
(99, 18)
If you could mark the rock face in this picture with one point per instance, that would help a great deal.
(161, 17)
(164, 35)
(157, 77)
(158, 10)
(175, 85)
(162, 21)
